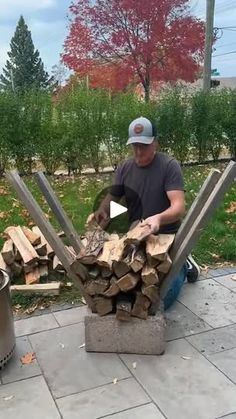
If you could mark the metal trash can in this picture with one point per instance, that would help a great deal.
(7, 333)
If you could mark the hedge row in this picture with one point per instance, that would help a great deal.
(88, 128)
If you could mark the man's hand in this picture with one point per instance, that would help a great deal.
(153, 223)
(98, 216)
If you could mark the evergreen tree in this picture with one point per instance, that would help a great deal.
(24, 69)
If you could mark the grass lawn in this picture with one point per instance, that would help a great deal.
(217, 244)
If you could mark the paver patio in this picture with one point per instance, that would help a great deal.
(195, 378)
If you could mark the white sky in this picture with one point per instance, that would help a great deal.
(47, 20)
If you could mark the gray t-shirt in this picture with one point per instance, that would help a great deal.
(144, 188)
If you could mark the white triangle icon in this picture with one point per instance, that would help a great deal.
(116, 209)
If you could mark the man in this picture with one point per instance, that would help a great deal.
(153, 187)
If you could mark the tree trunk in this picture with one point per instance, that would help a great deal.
(147, 92)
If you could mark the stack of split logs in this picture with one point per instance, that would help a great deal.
(124, 274)
(27, 254)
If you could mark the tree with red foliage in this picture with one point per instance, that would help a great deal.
(145, 40)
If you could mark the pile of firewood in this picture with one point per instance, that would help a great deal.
(125, 273)
(27, 254)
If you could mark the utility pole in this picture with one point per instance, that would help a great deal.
(210, 9)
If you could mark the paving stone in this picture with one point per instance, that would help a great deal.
(227, 281)
(148, 411)
(35, 324)
(211, 301)
(205, 274)
(230, 270)
(65, 306)
(74, 315)
(182, 322)
(69, 369)
(31, 400)
(215, 340)
(181, 387)
(216, 272)
(15, 370)
(103, 400)
(226, 362)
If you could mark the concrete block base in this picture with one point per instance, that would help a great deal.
(107, 334)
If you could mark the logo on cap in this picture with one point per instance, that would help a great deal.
(138, 129)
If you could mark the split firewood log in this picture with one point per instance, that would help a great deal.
(152, 292)
(141, 306)
(138, 260)
(41, 249)
(95, 242)
(149, 276)
(93, 272)
(158, 246)
(106, 272)
(50, 251)
(128, 282)
(122, 267)
(137, 234)
(96, 286)
(32, 277)
(34, 238)
(165, 266)
(113, 288)
(8, 253)
(123, 310)
(112, 252)
(103, 305)
(57, 265)
(27, 251)
(15, 269)
(43, 271)
(3, 264)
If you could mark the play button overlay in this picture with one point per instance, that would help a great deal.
(116, 209)
(120, 209)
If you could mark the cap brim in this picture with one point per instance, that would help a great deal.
(141, 140)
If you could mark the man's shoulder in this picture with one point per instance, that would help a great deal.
(168, 162)
(165, 158)
(126, 165)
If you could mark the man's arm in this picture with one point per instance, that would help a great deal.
(172, 214)
(102, 214)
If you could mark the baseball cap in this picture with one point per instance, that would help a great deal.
(141, 130)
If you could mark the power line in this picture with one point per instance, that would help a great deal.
(220, 8)
(226, 53)
(225, 45)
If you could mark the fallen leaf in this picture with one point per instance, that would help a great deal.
(28, 358)
(82, 346)
(3, 215)
(187, 358)
(134, 365)
(3, 192)
(115, 380)
(8, 398)
(24, 213)
(214, 255)
(31, 309)
(232, 208)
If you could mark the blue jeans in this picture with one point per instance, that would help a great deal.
(176, 286)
